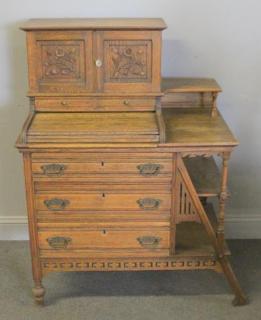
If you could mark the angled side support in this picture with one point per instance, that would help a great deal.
(216, 237)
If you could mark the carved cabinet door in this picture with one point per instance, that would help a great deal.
(60, 62)
(128, 61)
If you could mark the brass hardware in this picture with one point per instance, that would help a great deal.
(56, 204)
(98, 63)
(126, 102)
(149, 203)
(149, 169)
(59, 242)
(64, 103)
(149, 241)
(53, 169)
(104, 231)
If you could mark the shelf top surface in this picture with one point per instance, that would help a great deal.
(190, 85)
(196, 127)
(94, 23)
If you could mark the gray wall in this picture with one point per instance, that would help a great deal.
(220, 39)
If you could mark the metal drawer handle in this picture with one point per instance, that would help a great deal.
(53, 169)
(149, 169)
(56, 204)
(59, 242)
(126, 102)
(64, 103)
(149, 241)
(149, 203)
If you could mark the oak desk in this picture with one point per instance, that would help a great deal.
(119, 163)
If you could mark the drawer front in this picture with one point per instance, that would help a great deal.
(147, 166)
(125, 104)
(94, 104)
(104, 239)
(103, 201)
(64, 104)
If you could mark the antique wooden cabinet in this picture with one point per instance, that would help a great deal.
(113, 180)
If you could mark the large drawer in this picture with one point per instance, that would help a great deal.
(110, 242)
(106, 200)
(146, 166)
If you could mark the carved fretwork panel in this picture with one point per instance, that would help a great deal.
(129, 265)
(61, 63)
(185, 209)
(127, 61)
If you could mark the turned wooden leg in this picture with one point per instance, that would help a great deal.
(38, 292)
(240, 298)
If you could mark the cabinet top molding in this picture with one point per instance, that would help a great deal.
(94, 23)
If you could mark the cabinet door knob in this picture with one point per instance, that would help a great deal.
(149, 203)
(149, 169)
(98, 63)
(126, 102)
(53, 169)
(149, 241)
(59, 242)
(56, 204)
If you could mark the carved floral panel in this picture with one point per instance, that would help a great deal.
(62, 62)
(127, 61)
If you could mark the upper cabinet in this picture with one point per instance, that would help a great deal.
(94, 56)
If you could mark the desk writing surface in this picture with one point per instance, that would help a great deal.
(196, 127)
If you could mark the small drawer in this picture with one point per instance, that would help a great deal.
(125, 104)
(103, 201)
(64, 104)
(94, 104)
(146, 239)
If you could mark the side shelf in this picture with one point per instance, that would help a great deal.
(204, 174)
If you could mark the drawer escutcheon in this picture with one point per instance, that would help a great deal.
(56, 204)
(149, 241)
(59, 242)
(149, 203)
(149, 169)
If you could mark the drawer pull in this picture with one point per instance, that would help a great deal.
(126, 102)
(64, 103)
(59, 242)
(149, 241)
(149, 203)
(149, 169)
(56, 204)
(98, 63)
(53, 169)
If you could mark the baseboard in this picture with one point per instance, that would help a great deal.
(236, 226)
(13, 228)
